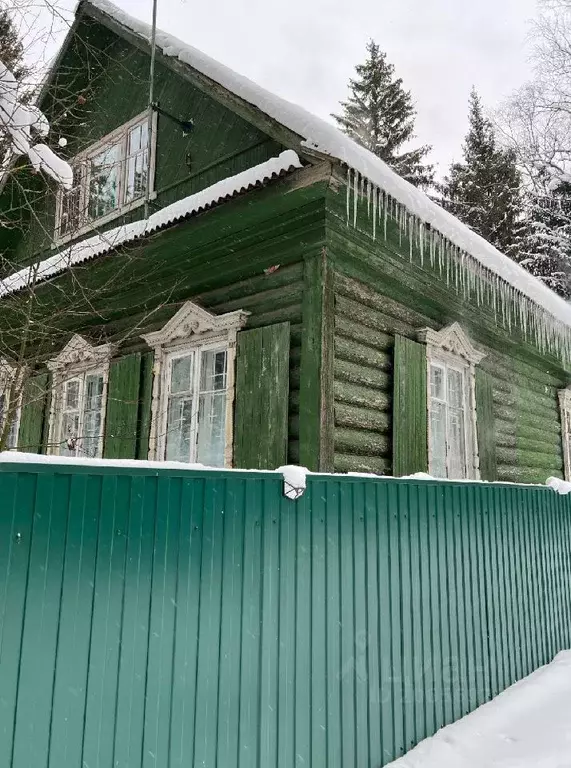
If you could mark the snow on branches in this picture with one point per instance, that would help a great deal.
(18, 120)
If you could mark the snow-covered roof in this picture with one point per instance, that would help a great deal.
(528, 726)
(322, 136)
(478, 270)
(105, 242)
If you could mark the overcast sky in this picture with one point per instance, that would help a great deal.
(305, 50)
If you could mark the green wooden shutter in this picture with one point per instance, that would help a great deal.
(486, 427)
(33, 416)
(262, 393)
(410, 434)
(122, 408)
(146, 398)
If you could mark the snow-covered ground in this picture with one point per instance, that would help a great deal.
(526, 726)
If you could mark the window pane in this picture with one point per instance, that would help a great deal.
(456, 444)
(104, 181)
(437, 439)
(212, 429)
(69, 217)
(181, 374)
(455, 389)
(69, 433)
(92, 405)
(437, 382)
(179, 429)
(137, 162)
(213, 371)
(71, 398)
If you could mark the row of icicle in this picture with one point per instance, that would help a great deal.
(471, 279)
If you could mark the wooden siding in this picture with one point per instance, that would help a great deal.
(380, 292)
(221, 143)
(238, 256)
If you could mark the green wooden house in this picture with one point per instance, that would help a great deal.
(233, 282)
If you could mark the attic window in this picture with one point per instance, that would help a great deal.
(110, 179)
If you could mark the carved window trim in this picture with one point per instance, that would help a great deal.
(77, 359)
(565, 410)
(451, 348)
(192, 328)
(8, 373)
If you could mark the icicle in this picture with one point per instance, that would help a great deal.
(386, 204)
(355, 196)
(368, 183)
(421, 233)
(375, 194)
(348, 193)
(447, 257)
(410, 235)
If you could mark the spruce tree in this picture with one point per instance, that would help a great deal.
(379, 114)
(11, 47)
(12, 56)
(484, 191)
(546, 247)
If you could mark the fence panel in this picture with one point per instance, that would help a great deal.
(162, 618)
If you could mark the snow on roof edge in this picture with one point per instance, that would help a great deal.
(104, 242)
(319, 135)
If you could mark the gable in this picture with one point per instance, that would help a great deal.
(101, 83)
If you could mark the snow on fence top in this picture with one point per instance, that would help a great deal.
(477, 268)
(106, 241)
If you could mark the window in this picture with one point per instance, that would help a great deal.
(110, 178)
(80, 416)
(193, 390)
(77, 414)
(12, 437)
(195, 413)
(451, 359)
(10, 387)
(565, 406)
(448, 411)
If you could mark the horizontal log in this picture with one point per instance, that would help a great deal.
(361, 374)
(361, 442)
(374, 464)
(355, 352)
(362, 418)
(355, 394)
(354, 331)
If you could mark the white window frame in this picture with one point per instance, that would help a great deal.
(451, 348)
(565, 409)
(81, 161)
(77, 360)
(7, 376)
(191, 330)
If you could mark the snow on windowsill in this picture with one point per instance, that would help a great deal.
(107, 241)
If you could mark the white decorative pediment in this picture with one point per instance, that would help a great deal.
(79, 353)
(452, 339)
(192, 320)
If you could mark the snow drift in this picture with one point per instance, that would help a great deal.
(526, 726)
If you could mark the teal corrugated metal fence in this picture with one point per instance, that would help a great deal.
(183, 619)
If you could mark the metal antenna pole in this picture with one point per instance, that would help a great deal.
(150, 108)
